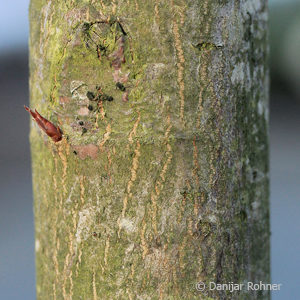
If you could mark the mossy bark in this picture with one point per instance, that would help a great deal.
(161, 179)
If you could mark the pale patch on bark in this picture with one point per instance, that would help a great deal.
(85, 222)
(68, 200)
(79, 90)
(84, 151)
(238, 73)
(127, 225)
(83, 111)
(37, 245)
(106, 250)
(251, 6)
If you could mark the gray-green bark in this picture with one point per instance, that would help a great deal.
(166, 185)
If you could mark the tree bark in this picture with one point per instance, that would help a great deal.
(161, 178)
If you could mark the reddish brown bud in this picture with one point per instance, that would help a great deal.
(51, 130)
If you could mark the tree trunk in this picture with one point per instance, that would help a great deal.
(161, 178)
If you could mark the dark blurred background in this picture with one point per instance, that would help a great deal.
(17, 271)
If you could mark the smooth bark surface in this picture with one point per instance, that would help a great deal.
(162, 181)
